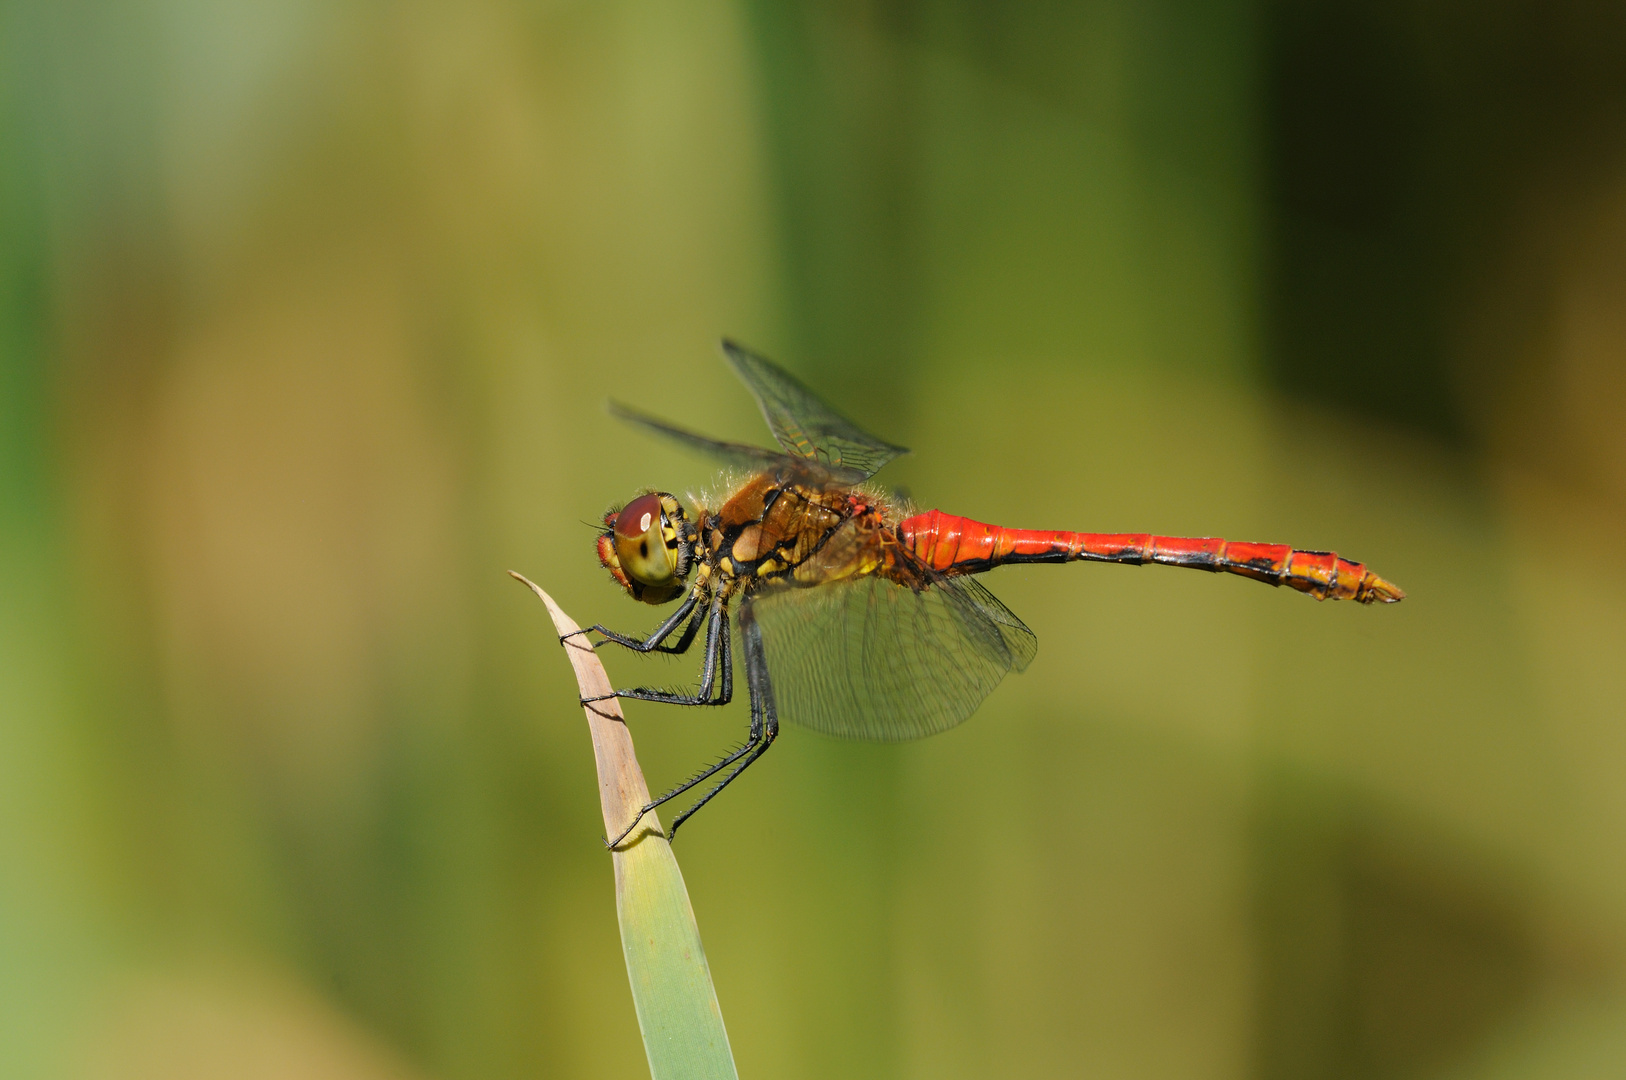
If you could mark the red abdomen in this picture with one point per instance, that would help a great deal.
(957, 545)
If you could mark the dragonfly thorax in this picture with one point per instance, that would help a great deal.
(648, 547)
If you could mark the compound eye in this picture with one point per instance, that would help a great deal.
(640, 542)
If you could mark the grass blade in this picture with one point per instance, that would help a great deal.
(671, 984)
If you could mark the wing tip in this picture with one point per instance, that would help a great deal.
(635, 416)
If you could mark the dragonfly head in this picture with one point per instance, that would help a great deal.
(648, 547)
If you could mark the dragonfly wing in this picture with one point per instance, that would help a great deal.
(1019, 641)
(869, 659)
(804, 425)
(743, 455)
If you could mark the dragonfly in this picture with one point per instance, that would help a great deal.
(853, 615)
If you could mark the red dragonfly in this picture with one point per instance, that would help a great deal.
(855, 617)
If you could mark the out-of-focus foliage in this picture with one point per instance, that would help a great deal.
(307, 312)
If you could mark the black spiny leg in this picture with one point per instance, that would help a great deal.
(764, 729)
(716, 648)
(764, 715)
(652, 643)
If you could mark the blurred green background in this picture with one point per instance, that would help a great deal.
(307, 315)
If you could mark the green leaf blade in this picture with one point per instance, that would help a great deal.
(666, 964)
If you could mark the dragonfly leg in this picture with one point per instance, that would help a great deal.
(654, 642)
(700, 777)
(764, 717)
(754, 745)
(764, 729)
(717, 648)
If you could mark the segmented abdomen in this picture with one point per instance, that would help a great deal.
(957, 545)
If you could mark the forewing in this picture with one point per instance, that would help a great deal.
(753, 458)
(868, 659)
(804, 425)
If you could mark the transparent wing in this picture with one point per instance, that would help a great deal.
(804, 425)
(868, 659)
(753, 458)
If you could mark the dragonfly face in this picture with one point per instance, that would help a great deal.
(648, 547)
